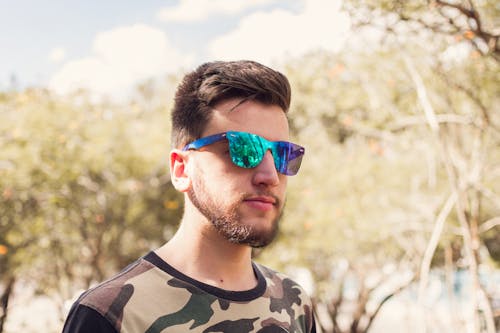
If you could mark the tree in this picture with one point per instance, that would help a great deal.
(84, 191)
(471, 26)
(388, 106)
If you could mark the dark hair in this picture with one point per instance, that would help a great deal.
(214, 82)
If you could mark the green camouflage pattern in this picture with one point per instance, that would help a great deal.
(145, 298)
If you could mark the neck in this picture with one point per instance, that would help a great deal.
(200, 252)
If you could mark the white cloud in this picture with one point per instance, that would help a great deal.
(57, 54)
(271, 36)
(198, 10)
(120, 58)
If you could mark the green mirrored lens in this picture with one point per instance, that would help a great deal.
(246, 149)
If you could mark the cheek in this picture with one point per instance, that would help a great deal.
(222, 177)
(282, 188)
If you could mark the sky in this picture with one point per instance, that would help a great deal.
(109, 46)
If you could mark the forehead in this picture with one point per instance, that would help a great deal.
(268, 121)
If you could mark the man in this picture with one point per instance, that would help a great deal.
(231, 159)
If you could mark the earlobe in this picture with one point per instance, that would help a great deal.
(178, 170)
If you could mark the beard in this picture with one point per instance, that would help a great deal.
(227, 221)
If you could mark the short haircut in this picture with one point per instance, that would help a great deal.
(214, 82)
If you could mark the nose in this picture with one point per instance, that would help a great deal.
(266, 173)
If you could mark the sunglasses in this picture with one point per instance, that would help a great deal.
(247, 150)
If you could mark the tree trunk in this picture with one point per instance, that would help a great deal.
(4, 301)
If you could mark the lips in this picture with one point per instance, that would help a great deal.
(263, 203)
(263, 199)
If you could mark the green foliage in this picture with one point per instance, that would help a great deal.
(85, 187)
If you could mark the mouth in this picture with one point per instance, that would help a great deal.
(263, 203)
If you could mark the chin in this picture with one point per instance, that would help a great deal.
(262, 237)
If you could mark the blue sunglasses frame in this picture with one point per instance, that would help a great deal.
(247, 150)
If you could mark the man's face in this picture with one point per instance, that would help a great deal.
(244, 205)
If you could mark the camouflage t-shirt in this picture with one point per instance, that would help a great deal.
(151, 296)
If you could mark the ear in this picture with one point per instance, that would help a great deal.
(178, 170)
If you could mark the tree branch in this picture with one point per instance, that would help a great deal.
(433, 242)
(490, 224)
(384, 300)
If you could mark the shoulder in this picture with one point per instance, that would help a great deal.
(280, 283)
(285, 294)
(110, 297)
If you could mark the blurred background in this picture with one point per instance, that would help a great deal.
(392, 225)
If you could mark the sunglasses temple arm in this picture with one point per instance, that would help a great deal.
(205, 141)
